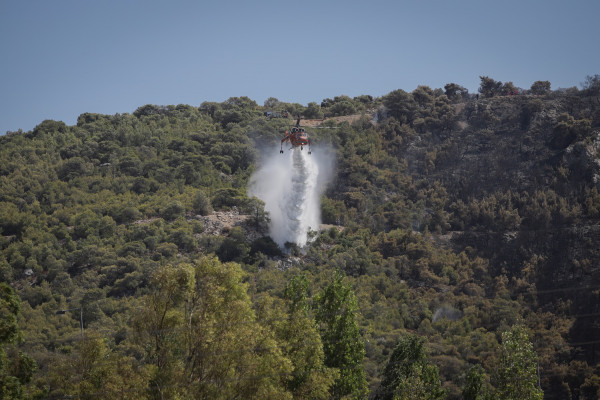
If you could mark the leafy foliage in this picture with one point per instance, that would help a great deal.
(452, 219)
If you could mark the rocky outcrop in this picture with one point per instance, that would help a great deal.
(220, 222)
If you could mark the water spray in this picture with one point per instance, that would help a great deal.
(291, 186)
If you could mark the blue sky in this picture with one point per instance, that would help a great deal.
(61, 58)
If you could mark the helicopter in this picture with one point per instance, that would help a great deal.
(297, 137)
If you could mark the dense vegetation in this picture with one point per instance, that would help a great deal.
(464, 263)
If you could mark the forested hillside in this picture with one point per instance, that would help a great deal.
(460, 260)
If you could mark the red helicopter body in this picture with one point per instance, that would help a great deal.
(297, 137)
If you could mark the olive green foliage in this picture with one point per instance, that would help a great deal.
(540, 88)
(342, 105)
(515, 376)
(408, 375)
(489, 87)
(201, 336)
(453, 218)
(336, 310)
(477, 385)
(16, 367)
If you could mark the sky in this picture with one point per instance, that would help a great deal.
(62, 58)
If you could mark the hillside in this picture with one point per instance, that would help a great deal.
(452, 222)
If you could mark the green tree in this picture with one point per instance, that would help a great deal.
(591, 86)
(400, 105)
(455, 92)
(516, 374)
(201, 203)
(299, 338)
(336, 309)
(477, 386)
(235, 247)
(489, 87)
(94, 371)
(271, 103)
(259, 218)
(408, 375)
(16, 367)
(202, 336)
(157, 327)
(509, 89)
(313, 110)
(172, 211)
(540, 88)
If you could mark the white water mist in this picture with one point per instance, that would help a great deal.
(291, 185)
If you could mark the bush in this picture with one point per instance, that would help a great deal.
(173, 211)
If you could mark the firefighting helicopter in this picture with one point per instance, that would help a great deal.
(297, 137)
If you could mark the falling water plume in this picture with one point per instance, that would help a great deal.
(291, 185)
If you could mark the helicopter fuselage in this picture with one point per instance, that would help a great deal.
(297, 138)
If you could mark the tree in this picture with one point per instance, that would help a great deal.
(271, 103)
(455, 92)
(298, 335)
(476, 386)
(489, 87)
(516, 374)
(591, 86)
(344, 107)
(540, 88)
(313, 110)
(16, 367)
(172, 210)
(202, 336)
(424, 96)
(336, 309)
(234, 247)
(259, 218)
(94, 371)
(509, 89)
(400, 105)
(157, 326)
(201, 203)
(408, 375)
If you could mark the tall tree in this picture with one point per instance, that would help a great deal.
(591, 86)
(16, 368)
(477, 386)
(516, 375)
(489, 87)
(94, 371)
(455, 92)
(400, 105)
(336, 313)
(203, 337)
(408, 374)
(299, 338)
(540, 88)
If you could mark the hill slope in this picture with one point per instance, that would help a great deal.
(461, 219)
